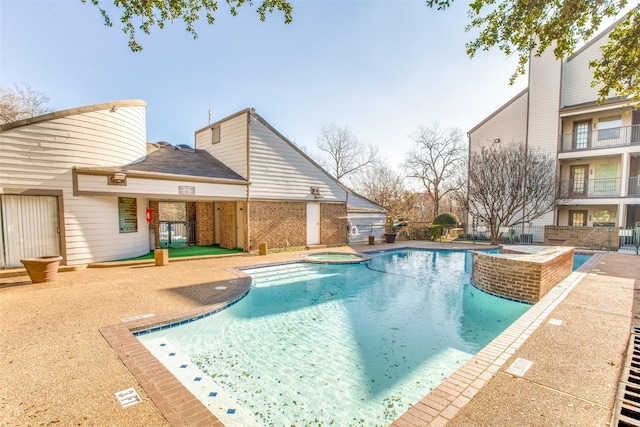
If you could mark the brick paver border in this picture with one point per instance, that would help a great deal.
(178, 405)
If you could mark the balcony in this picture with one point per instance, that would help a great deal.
(603, 138)
(589, 188)
(634, 186)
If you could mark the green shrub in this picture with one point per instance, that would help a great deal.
(446, 220)
(434, 232)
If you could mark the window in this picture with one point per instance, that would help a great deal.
(578, 218)
(581, 134)
(604, 218)
(606, 180)
(215, 134)
(609, 128)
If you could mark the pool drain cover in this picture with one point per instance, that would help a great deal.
(627, 410)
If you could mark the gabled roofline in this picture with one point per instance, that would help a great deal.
(500, 109)
(597, 37)
(295, 147)
(73, 112)
(232, 116)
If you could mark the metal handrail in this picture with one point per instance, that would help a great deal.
(602, 138)
(578, 189)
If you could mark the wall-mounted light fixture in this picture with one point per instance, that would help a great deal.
(315, 191)
(497, 140)
(117, 178)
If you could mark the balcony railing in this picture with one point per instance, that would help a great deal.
(580, 189)
(634, 186)
(603, 138)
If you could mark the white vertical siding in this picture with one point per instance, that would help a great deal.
(280, 172)
(508, 124)
(40, 156)
(544, 102)
(232, 148)
(577, 75)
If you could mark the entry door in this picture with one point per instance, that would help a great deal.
(30, 228)
(313, 223)
(579, 180)
(581, 135)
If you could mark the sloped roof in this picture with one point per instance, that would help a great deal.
(360, 204)
(165, 160)
(176, 161)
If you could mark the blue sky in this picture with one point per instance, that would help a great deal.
(382, 68)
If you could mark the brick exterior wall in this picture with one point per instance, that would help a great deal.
(333, 223)
(278, 224)
(154, 225)
(584, 237)
(525, 278)
(204, 223)
(245, 230)
(227, 225)
(190, 211)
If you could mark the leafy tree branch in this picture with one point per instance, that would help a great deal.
(146, 14)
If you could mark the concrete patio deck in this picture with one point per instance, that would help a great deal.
(57, 368)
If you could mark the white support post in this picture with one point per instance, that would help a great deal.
(622, 215)
(624, 174)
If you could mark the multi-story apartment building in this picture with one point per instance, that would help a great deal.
(596, 145)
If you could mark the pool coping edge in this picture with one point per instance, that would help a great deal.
(444, 402)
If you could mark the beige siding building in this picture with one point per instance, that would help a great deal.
(597, 146)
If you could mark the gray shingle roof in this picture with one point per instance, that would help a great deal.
(191, 162)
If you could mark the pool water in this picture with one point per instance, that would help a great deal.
(579, 259)
(318, 344)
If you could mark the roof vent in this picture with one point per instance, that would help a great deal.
(185, 147)
(164, 144)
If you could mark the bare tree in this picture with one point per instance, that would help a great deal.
(509, 186)
(21, 103)
(343, 154)
(438, 157)
(385, 187)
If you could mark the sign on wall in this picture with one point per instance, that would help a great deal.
(128, 214)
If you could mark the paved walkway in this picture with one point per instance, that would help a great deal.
(57, 368)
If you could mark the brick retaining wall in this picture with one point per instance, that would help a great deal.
(604, 238)
(521, 277)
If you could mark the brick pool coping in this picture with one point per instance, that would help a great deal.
(176, 403)
(181, 408)
(447, 399)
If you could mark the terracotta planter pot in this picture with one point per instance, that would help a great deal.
(42, 269)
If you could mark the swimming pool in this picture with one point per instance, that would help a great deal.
(579, 259)
(316, 344)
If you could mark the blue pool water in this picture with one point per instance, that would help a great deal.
(579, 259)
(317, 344)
